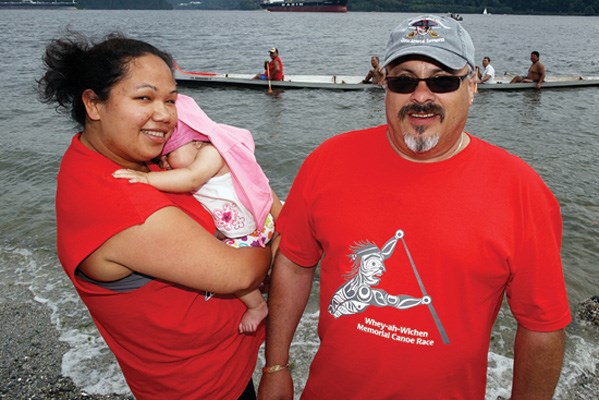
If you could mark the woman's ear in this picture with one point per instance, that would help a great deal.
(91, 102)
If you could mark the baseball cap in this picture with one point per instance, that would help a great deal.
(273, 50)
(441, 38)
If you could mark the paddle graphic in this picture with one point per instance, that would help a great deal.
(423, 290)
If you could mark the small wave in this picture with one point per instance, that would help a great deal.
(91, 365)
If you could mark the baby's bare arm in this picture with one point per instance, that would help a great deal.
(207, 164)
(132, 175)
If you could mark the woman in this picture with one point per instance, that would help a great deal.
(144, 261)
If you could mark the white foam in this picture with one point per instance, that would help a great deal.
(580, 361)
(499, 376)
(91, 365)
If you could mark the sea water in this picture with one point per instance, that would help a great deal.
(553, 130)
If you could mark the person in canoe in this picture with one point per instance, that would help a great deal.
(376, 75)
(536, 72)
(488, 74)
(273, 69)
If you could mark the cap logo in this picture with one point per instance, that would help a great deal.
(438, 38)
(422, 28)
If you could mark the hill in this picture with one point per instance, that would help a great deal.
(537, 7)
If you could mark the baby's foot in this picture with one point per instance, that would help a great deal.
(252, 318)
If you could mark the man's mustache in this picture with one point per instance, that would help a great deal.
(422, 109)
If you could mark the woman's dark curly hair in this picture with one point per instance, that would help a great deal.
(74, 64)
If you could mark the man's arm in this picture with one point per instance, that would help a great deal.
(538, 358)
(382, 74)
(276, 68)
(541, 76)
(289, 292)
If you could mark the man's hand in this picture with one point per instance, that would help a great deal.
(276, 386)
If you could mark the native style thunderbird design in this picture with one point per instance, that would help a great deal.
(359, 293)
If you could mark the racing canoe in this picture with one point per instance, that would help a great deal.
(349, 82)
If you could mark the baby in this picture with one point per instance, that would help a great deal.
(216, 163)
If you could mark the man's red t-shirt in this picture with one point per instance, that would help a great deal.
(275, 76)
(464, 232)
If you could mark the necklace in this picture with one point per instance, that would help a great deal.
(398, 151)
(457, 149)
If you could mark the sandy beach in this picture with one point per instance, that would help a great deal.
(32, 356)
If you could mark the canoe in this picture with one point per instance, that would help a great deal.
(330, 82)
(551, 82)
(349, 82)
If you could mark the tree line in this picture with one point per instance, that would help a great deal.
(124, 5)
(572, 7)
(111, 4)
(556, 7)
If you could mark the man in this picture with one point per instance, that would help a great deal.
(438, 225)
(376, 75)
(536, 72)
(273, 69)
(488, 74)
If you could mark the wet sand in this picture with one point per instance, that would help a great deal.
(32, 354)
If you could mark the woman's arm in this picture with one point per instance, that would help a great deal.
(171, 246)
(207, 163)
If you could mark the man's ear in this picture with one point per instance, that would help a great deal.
(91, 103)
(472, 89)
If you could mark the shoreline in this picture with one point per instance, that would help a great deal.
(32, 354)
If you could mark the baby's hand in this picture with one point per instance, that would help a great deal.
(164, 163)
(132, 175)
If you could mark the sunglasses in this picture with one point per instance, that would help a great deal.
(436, 84)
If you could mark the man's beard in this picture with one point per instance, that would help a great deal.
(418, 143)
(415, 141)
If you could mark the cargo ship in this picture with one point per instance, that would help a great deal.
(37, 5)
(305, 6)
